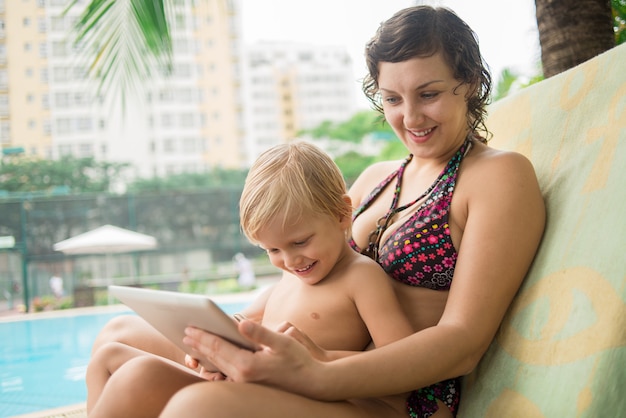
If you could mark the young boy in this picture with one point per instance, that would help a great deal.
(333, 299)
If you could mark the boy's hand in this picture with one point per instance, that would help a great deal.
(211, 376)
(191, 362)
(194, 364)
(316, 351)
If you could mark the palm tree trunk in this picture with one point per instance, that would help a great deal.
(572, 31)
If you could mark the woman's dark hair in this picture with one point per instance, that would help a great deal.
(423, 31)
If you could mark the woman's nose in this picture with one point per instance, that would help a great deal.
(413, 116)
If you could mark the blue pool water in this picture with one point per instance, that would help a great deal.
(43, 361)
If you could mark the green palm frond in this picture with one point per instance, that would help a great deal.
(124, 43)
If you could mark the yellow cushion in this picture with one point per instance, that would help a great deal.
(561, 351)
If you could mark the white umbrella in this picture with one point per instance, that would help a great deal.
(107, 239)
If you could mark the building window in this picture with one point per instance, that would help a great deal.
(187, 120)
(64, 125)
(189, 145)
(5, 132)
(166, 120)
(84, 124)
(80, 99)
(57, 23)
(26, 21)
(47, 129)
(61, 74)
(65, 150)
(169, 145)
(85, 150)
(59, 49)
(4, 78)
(62, 99)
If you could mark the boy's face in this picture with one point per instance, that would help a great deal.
(308, 248)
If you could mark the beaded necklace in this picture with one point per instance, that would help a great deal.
(383, 222)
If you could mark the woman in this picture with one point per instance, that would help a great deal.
(456, 226)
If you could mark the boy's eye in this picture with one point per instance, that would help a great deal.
(302, 242)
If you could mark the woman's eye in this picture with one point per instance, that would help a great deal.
(429, 95)
(391, 100)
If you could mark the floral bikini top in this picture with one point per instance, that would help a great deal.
(420, 252)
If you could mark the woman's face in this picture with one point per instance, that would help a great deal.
(425, 105)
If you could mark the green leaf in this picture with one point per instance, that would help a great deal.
(123, 43)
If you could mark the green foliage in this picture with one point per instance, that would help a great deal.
(69, 174)
(189, 181)
(354, 129)
(125, 42)
(510, 81)
(505, 82)
(49, 303)
(394, 150)
(352, 165)
(619, 20)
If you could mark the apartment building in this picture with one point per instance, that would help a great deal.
(189, 121)
(221, 106)
(293, 87)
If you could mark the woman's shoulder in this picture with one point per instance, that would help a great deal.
(489, 172)
(487, 160)
(372, 176)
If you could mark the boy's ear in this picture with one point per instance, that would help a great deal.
(347, 219)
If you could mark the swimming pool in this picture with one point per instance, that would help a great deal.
(43, 360)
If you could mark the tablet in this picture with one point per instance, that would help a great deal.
(170, 312)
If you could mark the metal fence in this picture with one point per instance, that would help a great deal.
(197, 232)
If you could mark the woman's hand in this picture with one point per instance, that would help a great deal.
(281, 360)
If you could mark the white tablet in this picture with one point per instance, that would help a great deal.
(171, 312)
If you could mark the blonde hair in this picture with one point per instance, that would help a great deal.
(291, 180)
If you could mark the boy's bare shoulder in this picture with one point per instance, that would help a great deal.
(362, 267)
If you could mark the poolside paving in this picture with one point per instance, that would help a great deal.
(72, 411)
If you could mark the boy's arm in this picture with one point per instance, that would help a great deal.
(378, 305)
(256, 309)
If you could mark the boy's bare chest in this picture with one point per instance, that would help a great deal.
(325, 313)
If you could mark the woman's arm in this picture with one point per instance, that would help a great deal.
(505, 221)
